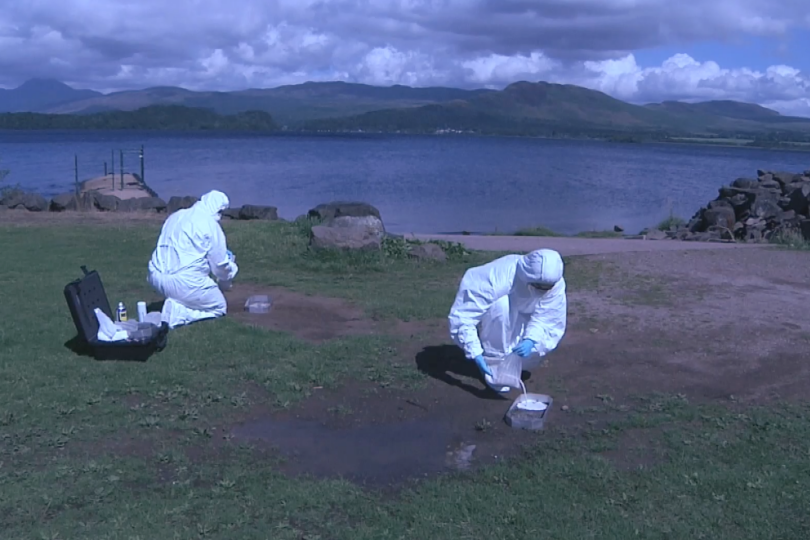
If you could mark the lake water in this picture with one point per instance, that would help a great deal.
(420, 184)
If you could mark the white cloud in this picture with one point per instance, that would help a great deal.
(211, 44)
(681, 77)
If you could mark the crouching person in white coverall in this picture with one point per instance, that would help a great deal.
(192, 246)
(519, 303)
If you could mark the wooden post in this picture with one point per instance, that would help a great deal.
(141, 156)
(112, 164)
(121, 167)
(105, 169)
(76, 172)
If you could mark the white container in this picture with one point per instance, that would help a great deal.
(142, 311)
(526, 418)
(260, 303)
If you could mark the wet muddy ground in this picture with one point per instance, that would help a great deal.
(727, 326)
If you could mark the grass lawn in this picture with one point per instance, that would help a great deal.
(132, 451)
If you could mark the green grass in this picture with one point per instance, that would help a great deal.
(712, 472)
(791, 239)
(672, 222)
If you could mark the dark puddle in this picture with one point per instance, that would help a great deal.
(372, 454)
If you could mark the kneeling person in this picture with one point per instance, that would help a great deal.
(192, 246)
(519, 303)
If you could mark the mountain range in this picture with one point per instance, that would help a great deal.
(520, 108)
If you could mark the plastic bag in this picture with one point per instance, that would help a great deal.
(507, 372)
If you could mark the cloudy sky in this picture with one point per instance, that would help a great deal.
(636, 50)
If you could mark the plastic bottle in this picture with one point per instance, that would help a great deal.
(121, 312)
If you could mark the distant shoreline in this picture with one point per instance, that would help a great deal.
(680, 141)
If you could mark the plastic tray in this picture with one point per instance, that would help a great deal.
(523, 419)
(260, 303)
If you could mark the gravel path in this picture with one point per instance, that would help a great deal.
(578, 246)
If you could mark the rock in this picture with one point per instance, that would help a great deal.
(768, 182)
(142, 204)
(430, 252)
(107, 203)
(64, 201)
(231, 213)
(22, 200)
(12, 198)
(178, 203)
(341, 208)
(34, 202)
(745, 183)
(798, 197)
(345, 238)
(765, 207)
(250, 211)
(618, 229)
(722, 216)
(372, 223)
(783, 177)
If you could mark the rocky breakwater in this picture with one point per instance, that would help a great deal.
(94, 201)
(751, 210)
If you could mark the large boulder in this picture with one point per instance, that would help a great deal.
(335, 209)
(720, 216)
(12, 198)
(345, 238)
(428, 252)
(35, 202)
(22, 200)
(179, 203)
(142, 204)
(373, 223)
(250, 211)
(107, 203)
(64, 201)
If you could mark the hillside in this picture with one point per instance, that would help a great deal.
(155, 117)
(290, 104)
(39, 94)
(525, 108)
(522, 108)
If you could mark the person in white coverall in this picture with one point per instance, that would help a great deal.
(520, 305)
(192, 246)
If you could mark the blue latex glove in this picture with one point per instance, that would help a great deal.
(482, 365)
(524, 348)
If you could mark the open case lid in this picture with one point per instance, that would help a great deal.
(83, 296)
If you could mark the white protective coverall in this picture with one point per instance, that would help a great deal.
(190, 247)
(498, 297)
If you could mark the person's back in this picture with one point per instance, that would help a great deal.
(184, 243)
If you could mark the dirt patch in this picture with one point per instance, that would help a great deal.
(318, 318)
(313, 318)
(724, 327)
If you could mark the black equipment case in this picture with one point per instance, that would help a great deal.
(83, 296)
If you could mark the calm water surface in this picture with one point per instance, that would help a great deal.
(420, 184)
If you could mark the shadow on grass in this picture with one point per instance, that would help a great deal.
(79, 347)
(447, 363)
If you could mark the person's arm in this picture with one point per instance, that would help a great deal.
(547, 324)
(474, 298)
(218, 261)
